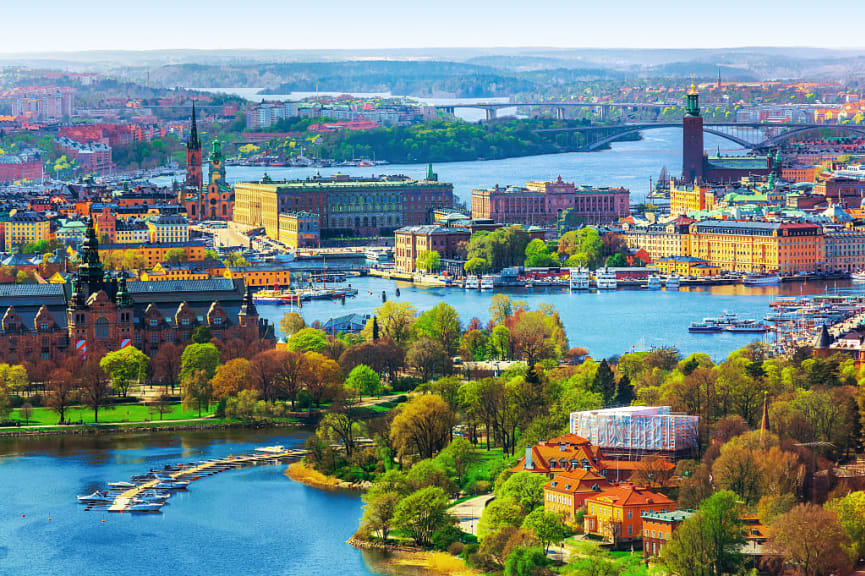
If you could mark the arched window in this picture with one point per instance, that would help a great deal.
(101, 328)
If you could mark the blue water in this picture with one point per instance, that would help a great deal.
(607, 323)
(249, 521)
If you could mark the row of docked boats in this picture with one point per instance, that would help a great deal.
(485, 282)
(728, 322)
(606, 279)
(295, 297)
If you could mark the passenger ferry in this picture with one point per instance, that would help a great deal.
(379, 254)
(747, 326)
(579, 279)
(487, 282)
(761, 279)
(673, 282)
(606, 280)
(654, 282)
(473, 283)
(707, 326)
(276, 297)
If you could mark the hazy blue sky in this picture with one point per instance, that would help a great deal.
(291, 24)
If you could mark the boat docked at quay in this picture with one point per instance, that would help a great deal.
(761, 279)
(579, 279)
(673, 282)
(283, 297)
(605, 279)
(473, 283)
(653, 282)
(487, 282)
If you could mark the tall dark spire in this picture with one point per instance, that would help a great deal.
(90, 270)
(193, 143)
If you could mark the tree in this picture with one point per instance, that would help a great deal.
(624, 391)
(379, 510)
(473, 346)
(429, 357)
(536, 336)
(501, 308)
(476, 266)
(201, 334)
(812, 540)
(423, 512)
(851, 514)
(363, 380)
(341, 424)
(162, 406)
(166, 365)
(197, 390)
(526, 561)
(526, 488)
(395, 320)
(428, 261)
(737, 470)
(175, 255)
(500, 342)
(291, 323)
(307, 340)
(707, 543)
(95, 388)
(292, 370)
(230, 378)
(460, 455)
(322, 377)
(546, 526)
(124, 366)
(653, 471)
(615, 261)
(243, 405)
(605, 382)
(14, 378)
(61, 392)
(26, 412)
(422, 426)
(441, 323)
(538, 256)
(199, 357)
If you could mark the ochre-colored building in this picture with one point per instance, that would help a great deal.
(299, 229)
(566, 493)
(411, 241)
(661, 240)
(658, 528)
(689, 198)
(25, 228)
(686, 266)
(153, 254)
(615, 514)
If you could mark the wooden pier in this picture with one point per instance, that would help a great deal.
(123, 501)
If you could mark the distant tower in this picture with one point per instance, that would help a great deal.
(719, 78)
(692, 138)
(193, 156)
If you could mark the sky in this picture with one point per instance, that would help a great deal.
(61, 25)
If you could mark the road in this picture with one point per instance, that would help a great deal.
(469, 512)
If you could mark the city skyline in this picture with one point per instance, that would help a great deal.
(383, 24)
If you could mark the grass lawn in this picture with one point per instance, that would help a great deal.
(118, 413)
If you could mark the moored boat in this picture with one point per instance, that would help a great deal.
(673, 282)
(704, 327)
(606, 280)
(653, 282)
(487, 282)
(747, 326)
(761, 279)
(579, 279)
(473, 283)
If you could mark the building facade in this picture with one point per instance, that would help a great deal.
(566, 493)
(616, 514)
(658, 528)
(661, 240)
(845, 250)
(299, 229)
(26, 227)
(411, 241)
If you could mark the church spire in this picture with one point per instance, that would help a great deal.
(193, 143)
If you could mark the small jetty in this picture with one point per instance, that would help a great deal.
(127, 498)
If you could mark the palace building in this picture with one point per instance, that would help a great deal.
(98, 313)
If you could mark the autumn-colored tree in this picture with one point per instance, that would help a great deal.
(812, 540)
(95, 386)
(429, 357)
(422, 426)
(382, 355)
(536, 336)
(395, 321)
(262, 372)
(166, 365)
(292, 370)
(653, 471)
(231, 378)
(323, 377)
(61, 392)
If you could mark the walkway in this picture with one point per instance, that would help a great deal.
(469, 512)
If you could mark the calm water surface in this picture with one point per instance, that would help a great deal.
(250, 521)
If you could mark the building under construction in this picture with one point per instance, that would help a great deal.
(633, 432)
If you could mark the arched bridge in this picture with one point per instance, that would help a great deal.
(755, 136)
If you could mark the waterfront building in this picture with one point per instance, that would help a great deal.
(26, 227)
(98, 313)
(346, 206)
(658, 528)
(261, 275)
(566, 493)
(616, 513)
(152, 254)
(541, 203)
(685, 266)
(845, 250)
(299, 229)
(411, 241)
(660, 240)
(758, 247)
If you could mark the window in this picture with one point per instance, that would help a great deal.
(101, 328)
(217, 321)
(153, 322)
(43, 325)
(184, 321)
(630, 530)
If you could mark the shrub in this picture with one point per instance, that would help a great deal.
(443, 538)
(456, 548)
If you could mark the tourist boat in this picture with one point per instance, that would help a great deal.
(761, 279)
(172, 485)
(579, 279)
(95, 498)
(707, 326)
(121, 484)
(473, 283)
(159, 497)
(653, 282)
(747, 326)
(145, 506)
(858, 276)
(487, 282)
(276, 297)
(279, 449)
(606, 280)
(673, 282)
(379, 254)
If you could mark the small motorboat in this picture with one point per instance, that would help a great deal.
(172, 485)
(121, 484)
(96, 497)
(145, 506)
(157, 497)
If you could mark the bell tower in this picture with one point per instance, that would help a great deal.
(193, 156)
(692, 138)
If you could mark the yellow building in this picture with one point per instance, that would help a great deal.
(752, 246)
(161, 272)
(685, 266)
(299, 229)
(687, 199)
(249, 201)
(151, 254)
(661, 240)
(131, 232)
(171, 228)
(266, 276)
(25, 228)
(615, 514)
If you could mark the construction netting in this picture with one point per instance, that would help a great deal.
(636, 428)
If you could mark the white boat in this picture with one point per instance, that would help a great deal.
(121, 484)
(158, 497)
(270, 449)
(747, 326)
(654, 282)
(605, 279)
(858, 276)
(579, 279)
(487, 282)
(673, 282)
(761, 279)
(145, 506)
(96, 497)
(473, 283)
(378, 255)
(172, 485)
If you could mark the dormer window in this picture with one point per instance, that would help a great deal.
(153, 322)
(43, 325)
(217, 321)
(184, 321)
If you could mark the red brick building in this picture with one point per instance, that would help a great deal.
(194, 178)
(27, 164)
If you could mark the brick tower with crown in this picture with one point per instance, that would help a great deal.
(194, 177)
(692, 138)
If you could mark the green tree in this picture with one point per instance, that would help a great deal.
(307, 340)
(501, 512)
(605, 382)
(379, 510)
(428, 261)
(422, 426)
(476, 265)
(500, 342)
(441, 323)
(201, 334)
(524, 561)
(364, 380)
(291, 323)
(124, 366)
(422, 513)
(197, 390)
(851, 514)
(175, 255)
(538, 256)
(526, 488)
(395, 321)
(199, 357)
(546, 526)
(460, 455)
(616, 261)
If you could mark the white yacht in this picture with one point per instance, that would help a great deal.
(579, 279)
(673, 282)
(96, 497)
(654, 282)
(473, 282)
(606, 279)
(487, 282)
(761, 279)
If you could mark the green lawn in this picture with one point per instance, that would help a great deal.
(119, 413)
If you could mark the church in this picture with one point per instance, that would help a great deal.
(216, 200)
(97, 313)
